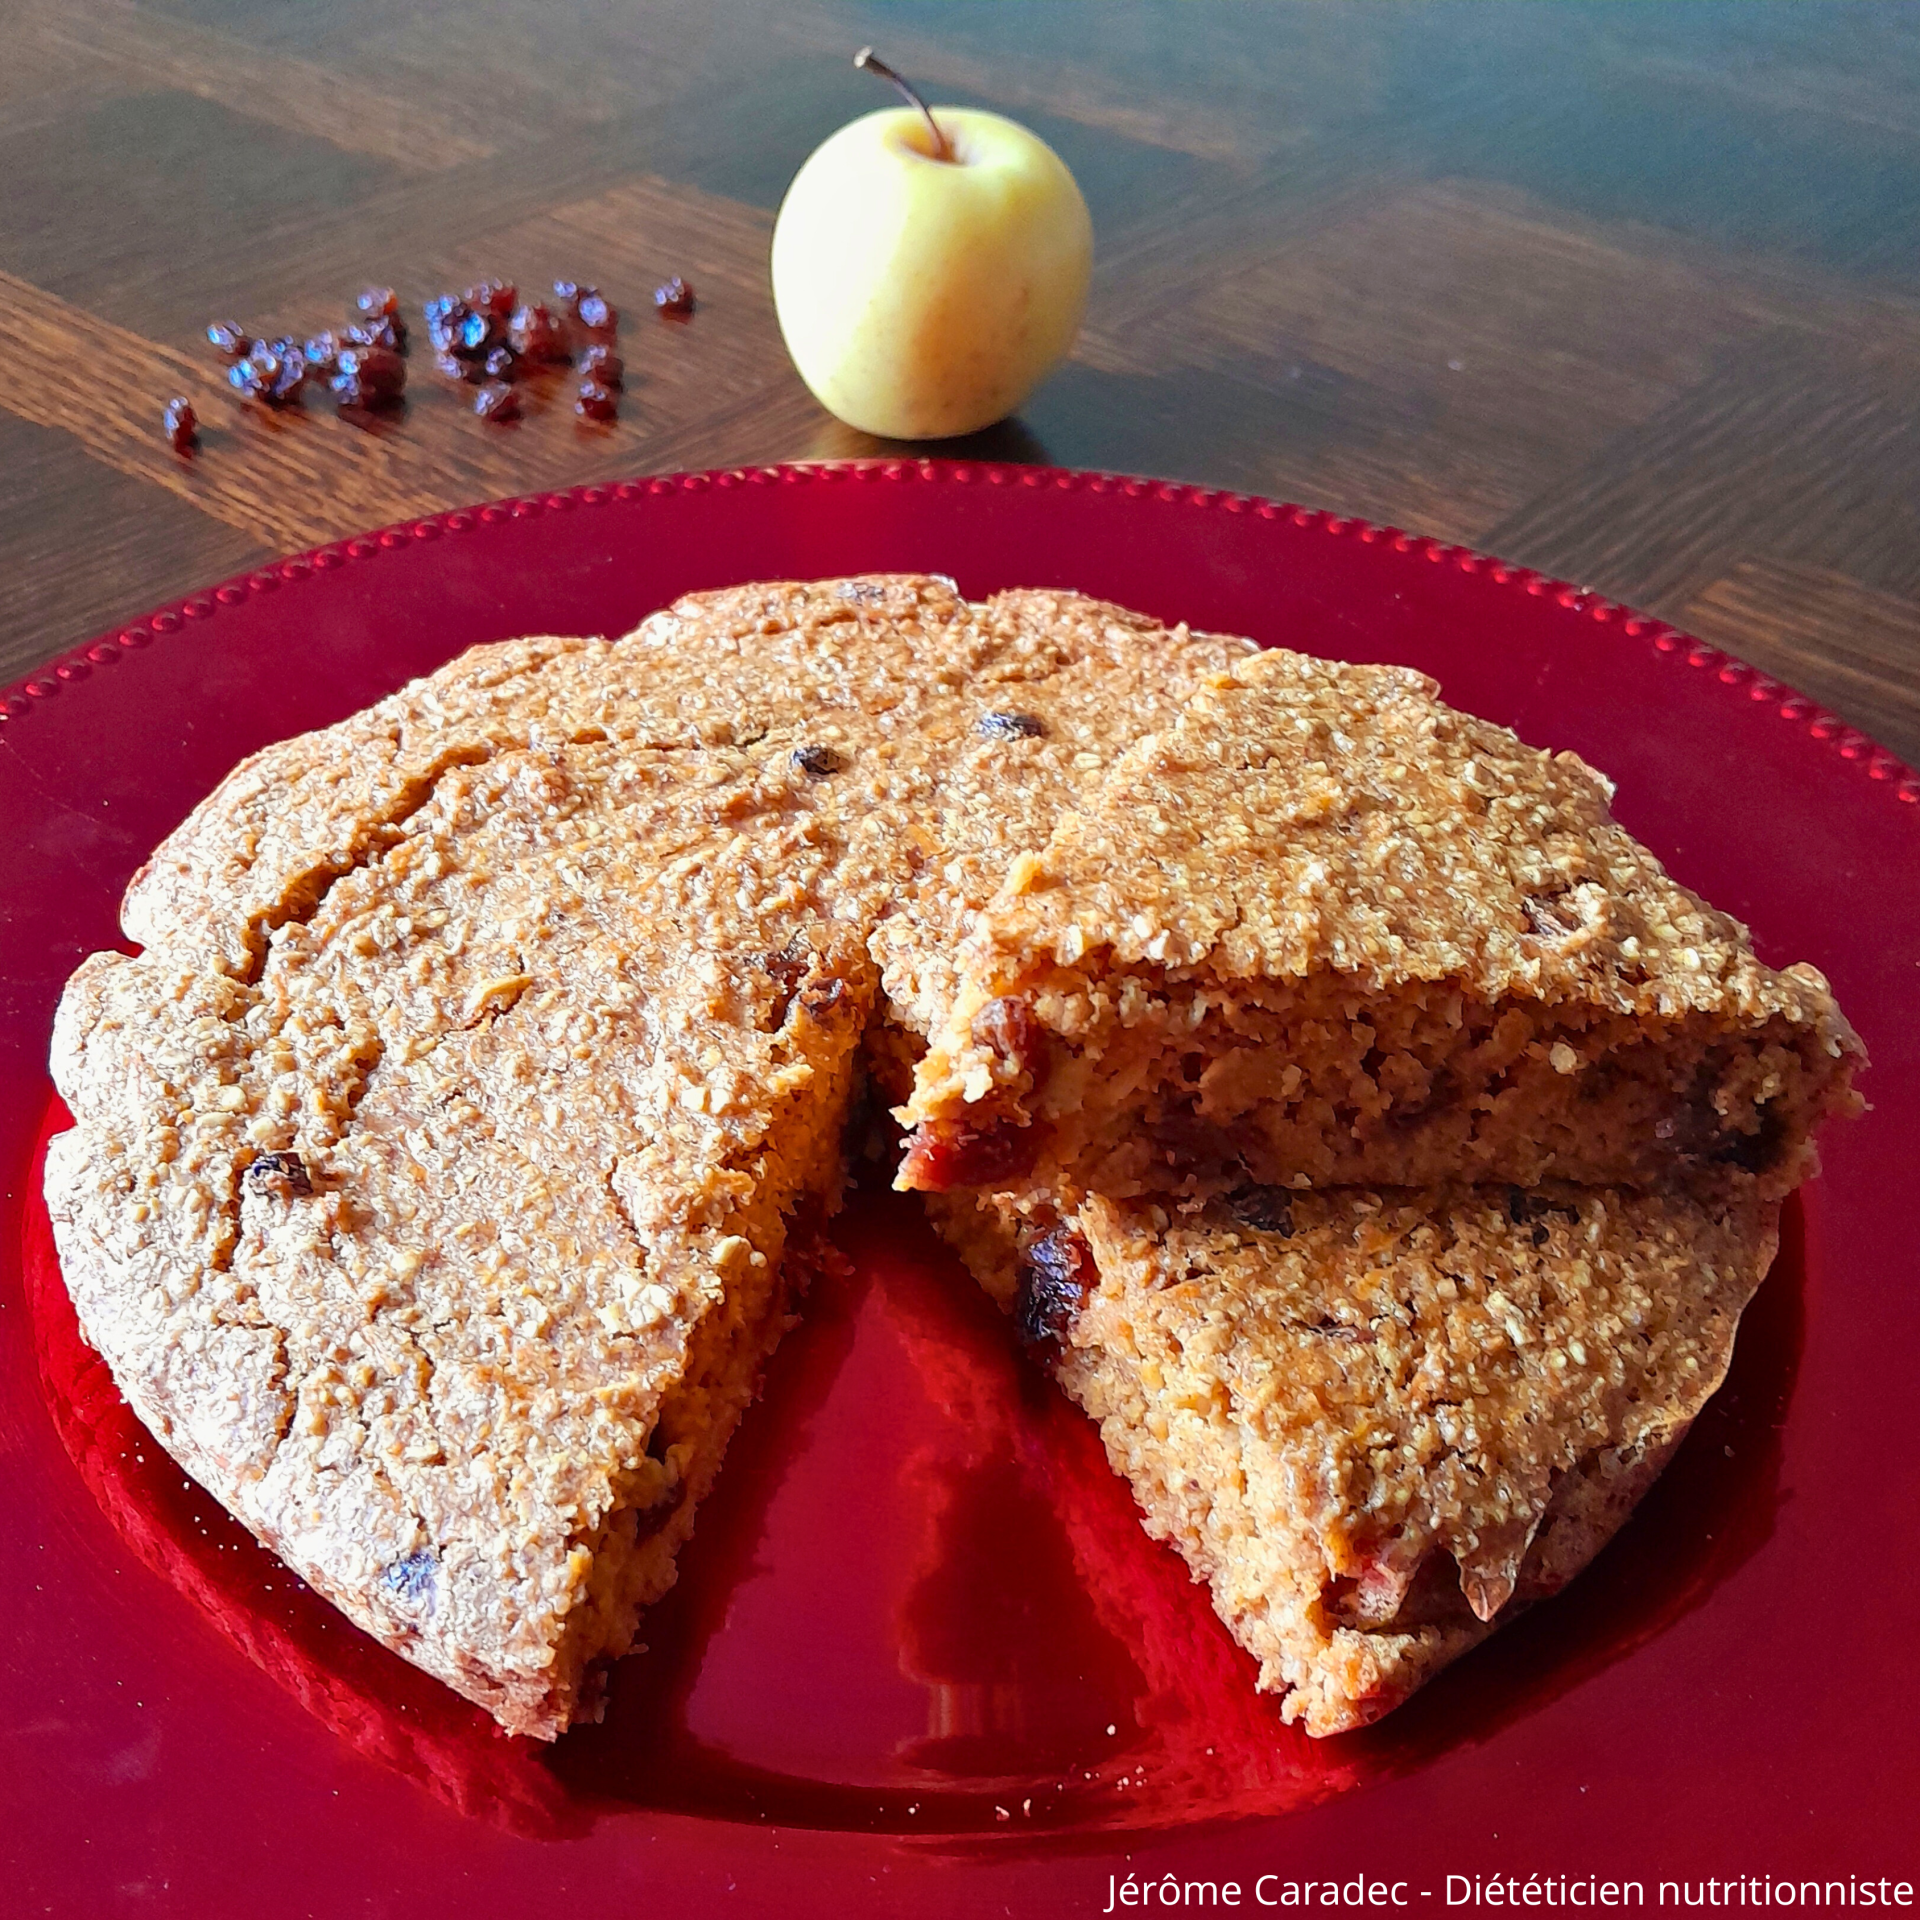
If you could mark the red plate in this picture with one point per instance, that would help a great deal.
(921, 1657)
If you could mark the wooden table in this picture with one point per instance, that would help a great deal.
(1629, 294)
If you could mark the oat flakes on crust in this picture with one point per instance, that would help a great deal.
(1324, 930)
(1379, 1424)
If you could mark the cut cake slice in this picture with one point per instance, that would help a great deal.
(1379, 1424)
(1327, 930)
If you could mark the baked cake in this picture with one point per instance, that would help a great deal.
(444, 1166)
(1325, 930)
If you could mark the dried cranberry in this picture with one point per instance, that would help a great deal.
(596, 311)
(818, 762)
(446, 315)
(384, 332)
(322, 352)
(595, 402)
(676, 297)
(230, 338)
(377, 370)
(497, 401)
(495, 297)
(1013, 1030)
(474, 332)
(968, 1153)
(378, 303)
(567, 292)
(272, 372)
(183, 430)
(455, 368)
(535, 334)
(502, 364)
(1057, 1272)
(1009, 726)
(281, 1173)
(603, 364)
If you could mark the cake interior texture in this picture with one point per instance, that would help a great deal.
(1128, 1081)
(448, 1164)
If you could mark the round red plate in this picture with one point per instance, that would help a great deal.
(921, 1657)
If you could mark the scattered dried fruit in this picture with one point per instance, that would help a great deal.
(535, 334)
(495, 297)
(377, 370)
(322, 352)
(183, 430)
(484, 336)
(676, 297)
(386, 331)
(595, 401)
(474, 332)
(272, 372)
(497, 401)
(603, 364)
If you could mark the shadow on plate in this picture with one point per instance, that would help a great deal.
(918, 1601)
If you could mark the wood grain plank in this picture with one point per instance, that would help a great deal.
(1848, 646)
(87, 549)
(145, 49)
(1799, 451)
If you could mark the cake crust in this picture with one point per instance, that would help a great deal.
(434, 1165)
(1379, 1424)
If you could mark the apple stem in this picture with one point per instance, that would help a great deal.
(870, 62)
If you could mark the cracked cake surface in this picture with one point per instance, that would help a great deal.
(447, 1164)
(436, 1163)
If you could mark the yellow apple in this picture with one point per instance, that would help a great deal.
(924, 295)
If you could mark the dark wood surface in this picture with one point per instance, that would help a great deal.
(1627, 293)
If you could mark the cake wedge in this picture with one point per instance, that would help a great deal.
(1326, 930)
(1378, 1424)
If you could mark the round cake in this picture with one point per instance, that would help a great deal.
(452, 1155)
